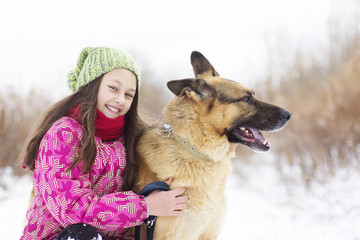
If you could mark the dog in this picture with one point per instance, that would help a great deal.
(193, 144)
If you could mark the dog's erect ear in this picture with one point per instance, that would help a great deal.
(201, 66)
(189, 86)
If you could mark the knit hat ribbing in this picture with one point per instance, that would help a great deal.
(96, 61)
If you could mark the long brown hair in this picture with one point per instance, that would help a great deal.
(87, 98)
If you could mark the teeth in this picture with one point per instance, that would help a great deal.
(242, 128)
(112, 109)
(266, 142)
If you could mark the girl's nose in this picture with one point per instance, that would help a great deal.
(120, 100)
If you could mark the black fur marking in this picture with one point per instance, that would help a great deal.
(199, 86)
(223, 98)
(211, 105)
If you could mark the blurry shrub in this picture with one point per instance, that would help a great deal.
(17, 115)
(154, 94)
(324, 97)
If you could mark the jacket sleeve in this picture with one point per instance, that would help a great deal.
(68, 194)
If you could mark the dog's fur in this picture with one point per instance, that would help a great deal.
(213, 114)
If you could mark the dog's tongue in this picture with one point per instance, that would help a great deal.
(257, 134)
(259, 137)
(251, 135)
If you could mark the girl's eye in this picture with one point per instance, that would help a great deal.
(113, 88)
(129, 95)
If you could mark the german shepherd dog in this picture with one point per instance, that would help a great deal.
(193, 145)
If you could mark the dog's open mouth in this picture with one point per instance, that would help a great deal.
(252, 138)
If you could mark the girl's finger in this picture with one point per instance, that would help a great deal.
(168, 181)
(182, 199)
(180, 206)
(178, 191)
(177, 213)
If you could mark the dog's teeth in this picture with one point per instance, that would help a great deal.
(242, 128)
(267, 143)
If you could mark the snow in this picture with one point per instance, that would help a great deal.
(261, 206)
(14, 201)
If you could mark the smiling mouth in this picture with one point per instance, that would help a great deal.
(113, 109)
(252, 138)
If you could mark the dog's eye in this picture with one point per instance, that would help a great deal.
(246, 99)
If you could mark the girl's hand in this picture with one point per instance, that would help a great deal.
(167, 203)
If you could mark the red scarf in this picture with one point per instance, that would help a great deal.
(105, 128)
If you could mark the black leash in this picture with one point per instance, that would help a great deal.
(151, 220)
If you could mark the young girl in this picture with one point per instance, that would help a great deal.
(82, 176)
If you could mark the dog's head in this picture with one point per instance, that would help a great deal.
(228, 107)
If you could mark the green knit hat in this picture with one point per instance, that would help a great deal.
(96, 61)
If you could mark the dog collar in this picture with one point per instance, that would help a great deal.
(186, 144)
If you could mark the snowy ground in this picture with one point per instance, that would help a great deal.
(264, 208)
(260, 206)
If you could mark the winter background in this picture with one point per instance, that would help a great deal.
(41, 40)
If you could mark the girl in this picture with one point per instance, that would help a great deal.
(82, 176)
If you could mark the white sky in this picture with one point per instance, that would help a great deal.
(41, 39)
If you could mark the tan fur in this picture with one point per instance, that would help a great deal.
(203, 119)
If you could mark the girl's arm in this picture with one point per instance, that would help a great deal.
(68, 194)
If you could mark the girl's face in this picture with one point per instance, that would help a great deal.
(116, 92)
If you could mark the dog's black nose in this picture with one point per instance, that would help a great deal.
(286, 115)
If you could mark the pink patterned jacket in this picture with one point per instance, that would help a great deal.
(66, 197)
